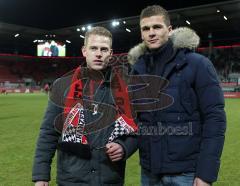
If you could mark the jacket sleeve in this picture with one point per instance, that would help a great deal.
(211, 103)
(129, 144)
(46, 144)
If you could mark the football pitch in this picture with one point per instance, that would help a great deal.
(20, 118)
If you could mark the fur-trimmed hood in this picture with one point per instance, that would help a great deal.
(182, 37)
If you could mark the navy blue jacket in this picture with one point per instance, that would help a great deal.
(188, 135)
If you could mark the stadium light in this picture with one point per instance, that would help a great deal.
(78, 29)
(188, 22)
(89, 27)
(68, 41)
(82, 36)
(35, 41)
(83, 28)
(16, 35)
(128, 30)
(124, 22)
(218, 11)
(115, 23)
(225, 18)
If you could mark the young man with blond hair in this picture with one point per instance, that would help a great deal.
(83, 122)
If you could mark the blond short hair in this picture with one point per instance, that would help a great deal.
(98, 30)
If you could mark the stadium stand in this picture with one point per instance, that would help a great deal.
(18, 73)
(34, 72)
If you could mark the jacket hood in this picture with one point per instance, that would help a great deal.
(182, 37)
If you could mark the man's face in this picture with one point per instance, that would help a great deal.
(97, 51)
(154, 31)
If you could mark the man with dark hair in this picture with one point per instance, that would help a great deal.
(84, 124)
(188, 144)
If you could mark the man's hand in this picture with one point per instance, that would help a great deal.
(115, 151)
(41, 183)
(199, 182)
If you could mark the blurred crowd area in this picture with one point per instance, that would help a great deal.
(30, 74)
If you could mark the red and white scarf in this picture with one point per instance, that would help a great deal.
(74, 121)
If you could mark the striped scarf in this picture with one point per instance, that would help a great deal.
(74, 121)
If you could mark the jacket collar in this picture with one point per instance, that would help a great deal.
(177, 64)
(182, 38)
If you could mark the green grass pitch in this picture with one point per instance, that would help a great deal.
(20, 118)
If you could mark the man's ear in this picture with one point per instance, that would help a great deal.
(84, 51)
(142, 36)
(170, 28)
(110, 56)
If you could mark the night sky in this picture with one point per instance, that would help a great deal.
(55, 14)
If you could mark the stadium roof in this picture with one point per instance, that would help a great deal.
(60, 20)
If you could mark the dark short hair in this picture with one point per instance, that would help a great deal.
(98, 30)
(155, 10)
